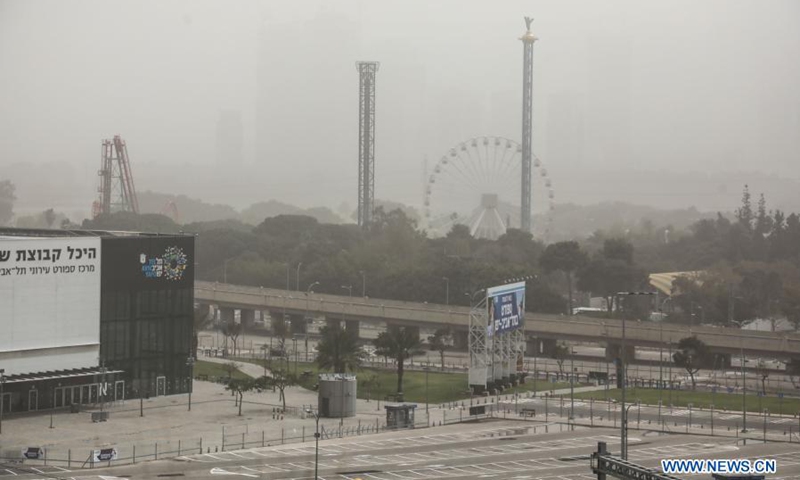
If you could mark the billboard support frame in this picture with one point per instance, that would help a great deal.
(480, 345)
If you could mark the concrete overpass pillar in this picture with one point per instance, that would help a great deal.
(299, 324)
(353, 326)
(614, 350)
(248, 318)
(226, 315)
(333, 323)
(547, 346)
(393, 326)
(793, 367)
(723, 360)
(461, 340)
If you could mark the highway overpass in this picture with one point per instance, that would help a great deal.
(548, 328)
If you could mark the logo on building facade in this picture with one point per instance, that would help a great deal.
(170, 266)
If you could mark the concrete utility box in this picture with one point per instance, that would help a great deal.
(337, 395)
(400, 416)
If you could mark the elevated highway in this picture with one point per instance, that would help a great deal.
(542, 326)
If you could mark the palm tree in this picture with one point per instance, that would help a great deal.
(338, 349)
(400, 343)
(440, 342)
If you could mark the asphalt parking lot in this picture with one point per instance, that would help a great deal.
(488, 449)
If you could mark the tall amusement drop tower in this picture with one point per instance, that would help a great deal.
(366, 141)
(527, 124)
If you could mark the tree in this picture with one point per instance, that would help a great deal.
(49, 217)
(280, 330)
(607, 277)
(612, 271)
(692, 354)
(399, 343)
(763, 372)
(560, 353)
(370, 382)
(240, 386)
(338, 349)
(440, 342)
(6, 201)
(230, 368)
(232, 330)
(566, 257)
(744, 214)
(282, 378)
(791, 304)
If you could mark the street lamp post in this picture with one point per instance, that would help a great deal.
(623, 372)
(572, 384)
(294, 340)
(363, 283)
(2, 396)
(744, 390)
(103, 371)
(446, 290)
(426, 368)
(349, 289)
(190, 364)
(308, 294)
(297, 284)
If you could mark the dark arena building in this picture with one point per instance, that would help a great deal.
(93, 316)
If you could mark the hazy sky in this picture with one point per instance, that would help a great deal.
(676, 85)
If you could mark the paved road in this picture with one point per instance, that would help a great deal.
(492, 449)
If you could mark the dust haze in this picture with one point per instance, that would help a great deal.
(667, 104)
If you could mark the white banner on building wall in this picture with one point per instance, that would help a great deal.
(50, 293)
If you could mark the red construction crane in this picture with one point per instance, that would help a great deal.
(117, 193)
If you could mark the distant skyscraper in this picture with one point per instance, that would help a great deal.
(230, 139)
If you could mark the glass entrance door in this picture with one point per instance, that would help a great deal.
(33, 400)
(119, 390)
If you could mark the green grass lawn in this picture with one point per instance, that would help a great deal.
(213, 370)
(681, 398)
(442, 386)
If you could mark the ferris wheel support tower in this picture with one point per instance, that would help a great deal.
(527, 124)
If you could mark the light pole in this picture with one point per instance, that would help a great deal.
(294, 340)
(363, 283)
(297, 284)
(623, 373)
(426, 368)
(308, 294)
(190, 364)
(446, 290)
(103, 385)
(744, 378)
(744, 389)
(572, 384)
(2, 396)
(287, 276)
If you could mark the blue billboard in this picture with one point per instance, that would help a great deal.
(506, 307)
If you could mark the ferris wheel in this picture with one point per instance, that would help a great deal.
(477, 183)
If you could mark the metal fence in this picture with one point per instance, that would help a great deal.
(231, 438)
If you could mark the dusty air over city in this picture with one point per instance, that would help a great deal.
(312, 239)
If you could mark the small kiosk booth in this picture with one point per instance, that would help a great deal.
(400, 416)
